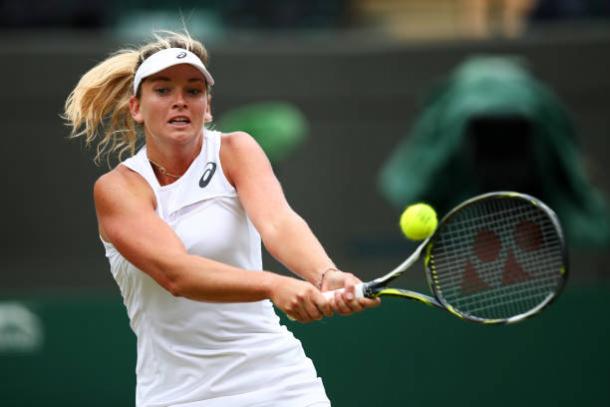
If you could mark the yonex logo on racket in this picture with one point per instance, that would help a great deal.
(181, 55)
(210, 169)
(510, 247)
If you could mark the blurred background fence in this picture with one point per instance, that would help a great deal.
(356, 77)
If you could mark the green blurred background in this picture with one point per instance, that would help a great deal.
(342, 85)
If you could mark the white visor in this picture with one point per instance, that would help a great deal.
(167, 58)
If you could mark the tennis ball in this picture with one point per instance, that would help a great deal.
(418, 221)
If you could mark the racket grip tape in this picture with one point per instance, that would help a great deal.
(358, 291)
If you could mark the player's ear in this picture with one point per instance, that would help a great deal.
(134, 109)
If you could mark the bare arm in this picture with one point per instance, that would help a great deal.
(126, 213)
(285, 234)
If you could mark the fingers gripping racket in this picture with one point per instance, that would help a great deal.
(497, 258)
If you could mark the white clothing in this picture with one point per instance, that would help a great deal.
(202, 354)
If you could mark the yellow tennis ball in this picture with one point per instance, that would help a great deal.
(418, 221)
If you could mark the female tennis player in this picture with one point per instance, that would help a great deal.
(182, 221)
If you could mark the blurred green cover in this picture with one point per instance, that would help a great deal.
(492, 126)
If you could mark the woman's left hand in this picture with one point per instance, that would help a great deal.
(346, 303)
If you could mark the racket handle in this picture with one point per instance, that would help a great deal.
(358, 291)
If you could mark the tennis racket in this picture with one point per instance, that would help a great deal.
(497, 258)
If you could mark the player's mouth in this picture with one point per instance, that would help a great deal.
(179, 121)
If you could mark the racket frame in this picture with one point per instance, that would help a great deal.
(378, 286)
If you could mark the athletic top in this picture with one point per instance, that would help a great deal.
(203, 354)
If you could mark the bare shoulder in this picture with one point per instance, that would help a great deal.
(121, 186)
(238, 141)
(240, 153)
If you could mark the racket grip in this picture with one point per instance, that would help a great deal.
(358, 291)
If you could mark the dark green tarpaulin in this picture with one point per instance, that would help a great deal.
(493, 126)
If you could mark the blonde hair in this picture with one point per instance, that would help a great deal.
(97, 109)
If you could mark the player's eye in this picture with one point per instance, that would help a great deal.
(161, 91)
(195, 91)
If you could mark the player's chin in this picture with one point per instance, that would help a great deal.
(183, 136)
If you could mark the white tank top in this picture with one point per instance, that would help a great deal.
(202, 354)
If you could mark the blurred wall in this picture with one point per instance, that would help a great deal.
(361, 96)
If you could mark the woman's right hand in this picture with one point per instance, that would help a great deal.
(299, 299)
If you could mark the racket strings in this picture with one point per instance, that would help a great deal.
(453, 281)
(496, 259)
(530, 295)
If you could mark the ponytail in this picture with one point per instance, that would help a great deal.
(98, 107)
